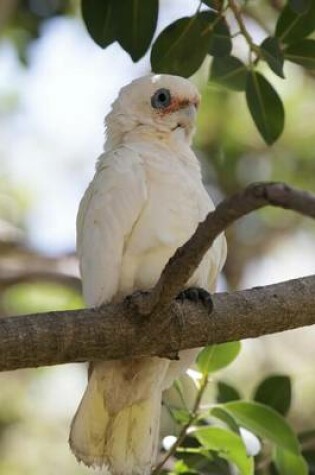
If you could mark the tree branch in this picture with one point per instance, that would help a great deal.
(187, 258)
(118, 331)
(115, 331)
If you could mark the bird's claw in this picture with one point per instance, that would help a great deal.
(196, 294)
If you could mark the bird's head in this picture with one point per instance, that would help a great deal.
(161, 104)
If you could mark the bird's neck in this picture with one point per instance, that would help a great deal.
(179, 138)
(156, 143)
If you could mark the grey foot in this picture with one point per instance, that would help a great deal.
(196, 294)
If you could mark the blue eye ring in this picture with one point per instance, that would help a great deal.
(161, 99)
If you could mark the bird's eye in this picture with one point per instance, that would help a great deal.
(161, 99)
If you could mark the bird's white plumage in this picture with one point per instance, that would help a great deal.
(145, 200)
(108, 212)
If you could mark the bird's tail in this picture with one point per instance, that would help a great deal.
(124, 442)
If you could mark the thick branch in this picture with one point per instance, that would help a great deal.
(115, 331)
(186, 259)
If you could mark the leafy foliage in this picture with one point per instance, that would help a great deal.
(228, 444)
(264, 422)
(302, 52)
(272, 54)
(108, 21)
(265, 106)
(182, 47)
(275, 391)
(288, 463)
(221, 413)
(175, 51)
(219, 432)
(142, 14)
(212, 358)
(295, 24)
(227, 393)
(99, 20)
(230, 72)
(220, 43)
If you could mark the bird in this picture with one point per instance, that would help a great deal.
(145, 200)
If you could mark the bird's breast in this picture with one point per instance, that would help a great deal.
(176, 203)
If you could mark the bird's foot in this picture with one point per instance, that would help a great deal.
(137, 301)
(196, 294)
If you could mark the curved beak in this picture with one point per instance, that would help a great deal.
(186, 117)
(190, 112)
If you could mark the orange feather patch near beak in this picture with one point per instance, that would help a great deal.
(178, 103)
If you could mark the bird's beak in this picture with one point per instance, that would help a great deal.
(190, 112)
(186, 117)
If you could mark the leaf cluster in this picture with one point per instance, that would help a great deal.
(183, 45)
(252, 435)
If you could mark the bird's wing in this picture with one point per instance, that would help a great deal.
(109, 209)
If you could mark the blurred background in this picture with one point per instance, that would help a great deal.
(56, 86)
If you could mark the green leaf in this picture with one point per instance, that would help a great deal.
(275, 391)
(196, 456)
(225, 417)
(264, 422)
(220, 43)
(299, 6)
(229, 72)
(288, 463)
(180, 416)
(214, 357)
(227, 393)
(98, 18)
(265, 106)
(293, 26)
(178, 386)
(302, 52)
(181, 48)
(229, 446)
(273, 55)
(135, 22)
(181, 468)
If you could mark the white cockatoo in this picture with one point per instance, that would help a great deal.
(145, 200)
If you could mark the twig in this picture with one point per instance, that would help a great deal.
(181, 436)
(238, 17)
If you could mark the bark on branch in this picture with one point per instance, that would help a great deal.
(115, 331)
(118, 331)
